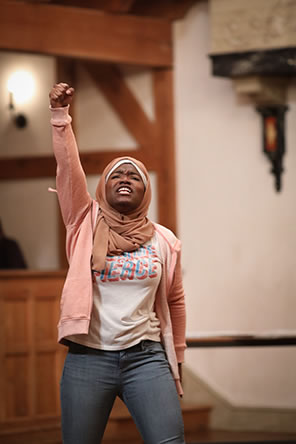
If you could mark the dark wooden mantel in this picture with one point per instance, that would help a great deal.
(264, 339)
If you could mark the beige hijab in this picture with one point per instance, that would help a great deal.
(115, 232)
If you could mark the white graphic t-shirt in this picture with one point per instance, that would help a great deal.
(124, 295)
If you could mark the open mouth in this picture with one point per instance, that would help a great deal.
(124, 190)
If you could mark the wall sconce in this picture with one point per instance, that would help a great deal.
(269, 96)
(21, 88)
(274, 138)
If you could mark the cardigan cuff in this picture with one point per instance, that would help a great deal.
(180, 354)
(60, 116)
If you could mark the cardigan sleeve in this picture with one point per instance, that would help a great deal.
(176, 301)
(71, 184)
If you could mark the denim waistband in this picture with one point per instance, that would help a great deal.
(74, 347)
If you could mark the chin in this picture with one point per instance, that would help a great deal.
(125, 209)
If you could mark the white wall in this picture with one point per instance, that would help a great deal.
(238, 235)
(36, 138)
(29, 213)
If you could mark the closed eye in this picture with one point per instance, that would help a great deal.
(132, 176)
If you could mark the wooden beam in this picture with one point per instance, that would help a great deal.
(164, 111)
(115, 6)
(111, 83)
(168, 9)
(27, 167)
(45, 166)
(86, 34)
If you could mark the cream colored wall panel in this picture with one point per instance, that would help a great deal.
(35, 139)
(238, 234)
(239, 25)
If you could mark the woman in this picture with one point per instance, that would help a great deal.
(122, 307)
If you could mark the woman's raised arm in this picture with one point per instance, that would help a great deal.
(70, 181)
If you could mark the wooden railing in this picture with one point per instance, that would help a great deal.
(230, 339)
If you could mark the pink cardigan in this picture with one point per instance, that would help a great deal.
(79, 213)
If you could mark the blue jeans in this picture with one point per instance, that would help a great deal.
(139, 375)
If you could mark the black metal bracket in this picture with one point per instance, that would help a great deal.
(274, 138)
(19, 119)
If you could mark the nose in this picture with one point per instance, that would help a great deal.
(125, 179)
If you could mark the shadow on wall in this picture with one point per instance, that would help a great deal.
(11, 255)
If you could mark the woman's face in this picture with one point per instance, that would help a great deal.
(125, 189)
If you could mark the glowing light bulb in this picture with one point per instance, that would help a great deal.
(21, 85)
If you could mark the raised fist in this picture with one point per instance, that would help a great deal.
(61, 95)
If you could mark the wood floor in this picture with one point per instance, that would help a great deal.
(225, 437)
(122, 430)
(209, 437)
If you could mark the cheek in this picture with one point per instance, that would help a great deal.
(141, 194)
(108, 194)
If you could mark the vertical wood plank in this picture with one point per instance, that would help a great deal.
(2, 360)
(29, 353)
(30, 314)
(46, 402)
(165, 140)
(17, 399)
(15, 354)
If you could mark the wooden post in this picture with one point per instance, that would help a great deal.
(165, 140)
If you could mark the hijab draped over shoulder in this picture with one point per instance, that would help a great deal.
(116, 233)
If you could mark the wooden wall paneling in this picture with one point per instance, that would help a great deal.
(84, 33)
(49, 354)
(111, 82)
(31, 359)
(16, 393)
(46, 350)
(45, 320)
(60, 355)
(16, 356)
(16, 329)
(164, 113)
(46, 400)
(2, 359)
(44, 355)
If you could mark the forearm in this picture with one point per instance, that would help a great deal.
(71, 182)
(177, 312)
(178, 317)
